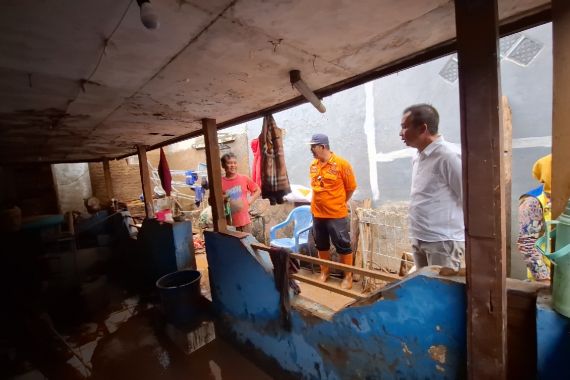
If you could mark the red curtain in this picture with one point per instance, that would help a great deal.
(164, 173)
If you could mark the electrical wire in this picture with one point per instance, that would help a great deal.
(82, 82)
(107, 40)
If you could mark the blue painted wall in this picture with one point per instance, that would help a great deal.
(183, 245)
(553, 341)
(415, 331)
(165, 248)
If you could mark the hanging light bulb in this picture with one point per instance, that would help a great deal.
(148, 16)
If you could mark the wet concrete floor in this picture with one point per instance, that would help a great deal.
(140, 349)
(127, 339)
(135, 342)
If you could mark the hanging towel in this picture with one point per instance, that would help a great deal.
(274, 179)
(256, 169)
(283, 267)
(199, 194)
(164, 173)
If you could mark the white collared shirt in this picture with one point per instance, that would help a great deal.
(436, 205)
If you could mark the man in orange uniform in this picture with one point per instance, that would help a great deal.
(333, 183)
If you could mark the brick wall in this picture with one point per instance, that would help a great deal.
(126, 178)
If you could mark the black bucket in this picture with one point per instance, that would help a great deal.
(180, 296)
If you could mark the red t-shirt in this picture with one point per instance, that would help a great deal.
(238, 188)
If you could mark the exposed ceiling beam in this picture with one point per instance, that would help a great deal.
(535, 17)
(531, 18)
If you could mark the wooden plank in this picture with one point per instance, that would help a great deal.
(349, 268)
(355, 231)
(508, 160)
(108, 179)
(71, 230)
(216, 199)
(355, 241)
(521, 327)
(368, 284)
(335, 265)
(560, 109)
(327, 286)
(483, 187)
(146, 182)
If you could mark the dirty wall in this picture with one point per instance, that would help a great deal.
(180, 156)
(30, 187)
(73, 185)
(363, 124)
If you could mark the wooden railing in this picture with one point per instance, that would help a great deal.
(332, 264)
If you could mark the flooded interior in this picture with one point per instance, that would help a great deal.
(130, 343)
(128, 338)
(83, 315)
(140, 349)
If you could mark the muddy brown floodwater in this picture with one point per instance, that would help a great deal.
(139, 349)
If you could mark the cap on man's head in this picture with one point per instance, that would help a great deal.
(319, 139)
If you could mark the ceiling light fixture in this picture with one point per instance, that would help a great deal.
(148, 16)
(301, 86)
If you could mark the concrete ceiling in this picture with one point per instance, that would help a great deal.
(84, 80)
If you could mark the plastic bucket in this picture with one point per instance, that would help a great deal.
(180, 296)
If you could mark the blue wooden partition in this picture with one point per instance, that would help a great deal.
(553, 341)
(414, 329)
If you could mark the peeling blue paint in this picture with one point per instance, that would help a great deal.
(553, 341)
(389, 338)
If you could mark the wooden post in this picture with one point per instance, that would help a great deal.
(216, 199)
(560, 109)
(483, 187)
(71, 230)
(508, 160)
(355, 229)
(146, 183)
(108, 180)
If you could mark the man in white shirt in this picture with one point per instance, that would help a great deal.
(436, 229)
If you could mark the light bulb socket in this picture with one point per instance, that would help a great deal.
(148, 16)
(301, 86)
(294, 76)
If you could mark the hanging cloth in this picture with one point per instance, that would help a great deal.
(256, 168)
(283, 267)
(274, 179)
(164, 173)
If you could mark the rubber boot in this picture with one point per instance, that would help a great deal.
(324, 276)
(347, 280)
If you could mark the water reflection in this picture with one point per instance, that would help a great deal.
(140, 349)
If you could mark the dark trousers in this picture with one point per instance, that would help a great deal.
(326, 230)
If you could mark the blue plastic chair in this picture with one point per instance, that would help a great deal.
(303, 220)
